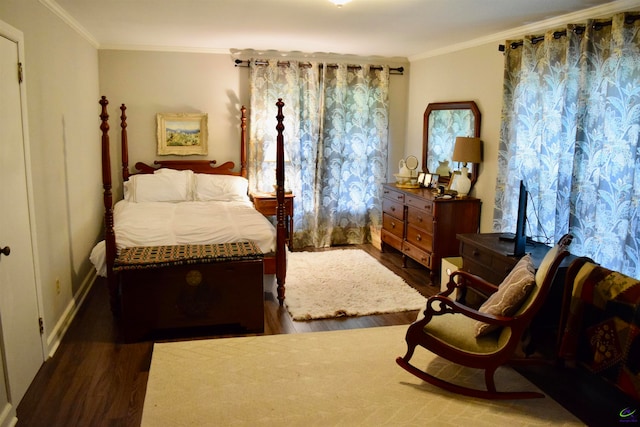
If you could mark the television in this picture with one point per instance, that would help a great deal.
(519, 238)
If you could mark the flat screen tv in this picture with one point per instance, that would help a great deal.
(519, 238)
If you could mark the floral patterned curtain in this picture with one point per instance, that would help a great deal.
(570, 131)
(336, 144)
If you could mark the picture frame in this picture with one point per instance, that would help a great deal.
(182, 134)
(421, 178)
(435, 179)
(452, 182)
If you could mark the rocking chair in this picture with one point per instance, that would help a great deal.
(488, 337)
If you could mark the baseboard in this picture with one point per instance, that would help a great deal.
(57, 333)
(8, 416)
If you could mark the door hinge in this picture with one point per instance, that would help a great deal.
(19, 72)
(41, 324)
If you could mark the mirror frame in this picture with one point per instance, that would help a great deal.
(457, 105)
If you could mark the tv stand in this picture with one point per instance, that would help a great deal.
(507, 237)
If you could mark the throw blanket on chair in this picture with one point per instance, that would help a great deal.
(602, 331)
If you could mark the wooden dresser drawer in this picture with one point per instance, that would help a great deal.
(393, 225)
(480, 270)
(419, 218)
(415, 253)
(393, 208)
(420, 238)
(473, 253)
(394, 195)
(421, 204)
(391, 239)
(425, 226)
(485, 264)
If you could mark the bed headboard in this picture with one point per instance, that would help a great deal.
(198, 166)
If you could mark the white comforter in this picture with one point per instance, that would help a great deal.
(160, 223)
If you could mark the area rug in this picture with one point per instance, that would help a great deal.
(336, 378)
(344, 282)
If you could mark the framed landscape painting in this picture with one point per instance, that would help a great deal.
(182, 134)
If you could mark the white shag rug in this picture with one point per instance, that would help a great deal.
(344, 282)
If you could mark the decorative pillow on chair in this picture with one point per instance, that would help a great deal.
(510, 295)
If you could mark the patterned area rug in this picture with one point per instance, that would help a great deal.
(337, 378)
(344, 282)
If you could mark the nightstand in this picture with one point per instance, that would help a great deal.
(266, 204)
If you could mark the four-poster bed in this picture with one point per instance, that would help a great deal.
(156, 197)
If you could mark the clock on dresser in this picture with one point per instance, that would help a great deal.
(423, 226)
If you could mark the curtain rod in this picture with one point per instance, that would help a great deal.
(241, 63)
(577, 30)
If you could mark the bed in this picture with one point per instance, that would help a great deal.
(188, 203)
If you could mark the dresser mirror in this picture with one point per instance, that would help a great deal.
(443, 122)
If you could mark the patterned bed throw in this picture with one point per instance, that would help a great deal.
(165, 256)
(603, 328)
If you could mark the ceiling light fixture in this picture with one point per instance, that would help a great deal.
(339, 3)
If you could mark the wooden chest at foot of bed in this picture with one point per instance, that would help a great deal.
(185, 286)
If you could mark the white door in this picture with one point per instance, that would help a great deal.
(20, 330)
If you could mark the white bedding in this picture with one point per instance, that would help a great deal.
(190, 222)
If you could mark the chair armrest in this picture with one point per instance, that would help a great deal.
(447, 305)
(470, 281)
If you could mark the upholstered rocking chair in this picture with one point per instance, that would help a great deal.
(488, 337)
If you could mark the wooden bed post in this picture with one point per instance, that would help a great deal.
(243, 141)
(110, 237)
(124, 144)
(281, 227)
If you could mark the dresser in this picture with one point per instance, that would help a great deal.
(424, 226)
(489, 257)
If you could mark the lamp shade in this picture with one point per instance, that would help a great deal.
(467, 150)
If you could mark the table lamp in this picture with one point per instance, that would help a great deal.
(466, 150)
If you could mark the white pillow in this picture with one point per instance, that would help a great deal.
(210, 187)
(174, 186)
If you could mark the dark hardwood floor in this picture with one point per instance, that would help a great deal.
(94, 379)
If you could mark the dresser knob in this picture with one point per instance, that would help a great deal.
(393, 225)
(418, 237)
(475, 252)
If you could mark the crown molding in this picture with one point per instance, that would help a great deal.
(70, 21)
(519, 32)
(601, 11)
(175, 49)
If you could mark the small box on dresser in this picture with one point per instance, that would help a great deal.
(423, 226)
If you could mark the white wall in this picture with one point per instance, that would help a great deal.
(164, 82)
(473, 74)
(61, 72)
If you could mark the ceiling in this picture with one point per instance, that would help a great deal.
(389, 28)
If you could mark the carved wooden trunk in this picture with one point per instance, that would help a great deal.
(188, 286)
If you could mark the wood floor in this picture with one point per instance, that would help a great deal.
(94, 379)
